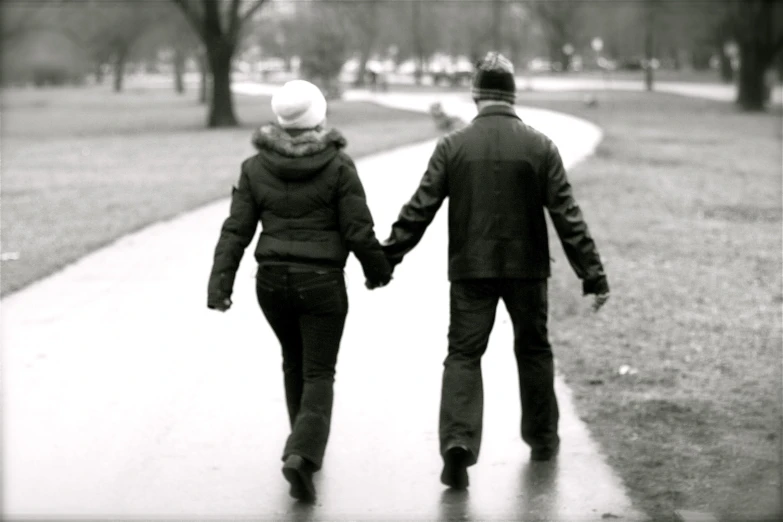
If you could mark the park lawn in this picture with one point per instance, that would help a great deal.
(82, 167)
(683, 198)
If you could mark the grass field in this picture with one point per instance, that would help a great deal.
(684, 200)
(82, 167)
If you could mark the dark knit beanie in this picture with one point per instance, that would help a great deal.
(494, 79)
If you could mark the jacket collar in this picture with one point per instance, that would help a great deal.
(498, 110)
(297, 155)
(297, 144)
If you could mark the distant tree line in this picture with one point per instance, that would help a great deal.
(98, 37)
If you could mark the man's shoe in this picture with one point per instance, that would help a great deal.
(544, 453)
(298, 471)
(455, 468)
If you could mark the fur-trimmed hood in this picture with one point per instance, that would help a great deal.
(296, 155)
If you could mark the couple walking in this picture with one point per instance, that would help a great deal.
(499, 174)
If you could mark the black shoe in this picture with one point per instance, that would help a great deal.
(299, 472)
(455, 468)
(544, 453)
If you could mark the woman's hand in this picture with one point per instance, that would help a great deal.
(372, 285)
(221, 306)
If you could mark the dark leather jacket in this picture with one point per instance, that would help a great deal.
(500, 175)
(307, 195)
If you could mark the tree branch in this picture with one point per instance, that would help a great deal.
(192, 16)
(233, 19)
(24, 24)
(212, 27)
(251, 10)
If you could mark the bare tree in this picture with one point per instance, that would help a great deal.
(651, 15)
(721, 37)
(18, 20)
(176, 35)
(130, 23)
(498, 8)
(220, 31)
(758, 30)
(323, 41)
(108, 32)
(467, 28)
(363, 21)
(561, 23)
(425, 35)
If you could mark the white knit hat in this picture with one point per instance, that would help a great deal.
(299, 105)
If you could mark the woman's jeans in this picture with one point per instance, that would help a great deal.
(307, 312)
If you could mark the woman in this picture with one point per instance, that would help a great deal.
(305, 191)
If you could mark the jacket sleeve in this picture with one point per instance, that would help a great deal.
(418, 213)
(571, 227)
(356, 224)
(235, 235)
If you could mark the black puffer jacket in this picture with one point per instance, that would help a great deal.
(500, 175)
(305, 191)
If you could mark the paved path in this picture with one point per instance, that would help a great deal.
(124, 396)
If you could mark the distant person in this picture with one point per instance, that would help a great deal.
(305, 191)
(500, 175)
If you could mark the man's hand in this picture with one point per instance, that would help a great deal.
(221, 306)
(600, 300)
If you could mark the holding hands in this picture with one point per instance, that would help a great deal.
(380, 279)
(372, 285)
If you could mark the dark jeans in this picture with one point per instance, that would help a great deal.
(473, 306)
(307, 312)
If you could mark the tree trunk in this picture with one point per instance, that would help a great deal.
(726, 69)
(367, 23)
(418, 74)
(753, 92)
(362, 70)
(649, 44)
(780, 66)
(99, 73)
(119, 69)
(651, 10)
(676, 62)
(513, 55)
(179, 71)
(556, 53)
(497, 25)
(221, 109)
(565, 59)
(418, 47)
(203, 68)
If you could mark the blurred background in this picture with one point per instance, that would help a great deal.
(197, 45)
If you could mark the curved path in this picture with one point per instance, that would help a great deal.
(123, 396)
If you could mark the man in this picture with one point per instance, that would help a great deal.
(500, 175)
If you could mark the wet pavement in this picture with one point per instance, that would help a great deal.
(123, 396)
